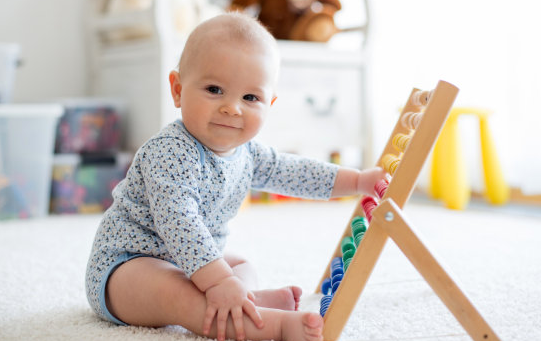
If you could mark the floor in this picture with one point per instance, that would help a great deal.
(492, 252)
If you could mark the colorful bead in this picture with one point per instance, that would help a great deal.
(337, 267)
(368, 204)
(346, 258)
(358, 224)
(346, 263)
(347, 244)
(358, 237)
(335, 282)
(410, 120)
(326, 286)
(324, 304)
(390, 163)
(421, 98)
(381, 187)
(401, 141)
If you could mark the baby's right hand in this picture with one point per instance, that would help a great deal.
(368, 178)
(230, 296)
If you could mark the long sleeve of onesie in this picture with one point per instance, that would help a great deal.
(290, 174)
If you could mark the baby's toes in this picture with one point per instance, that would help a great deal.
(313, 324)
(297, 293)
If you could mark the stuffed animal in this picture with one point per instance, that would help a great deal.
(308, 20)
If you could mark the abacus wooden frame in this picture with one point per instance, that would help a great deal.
(406, 238)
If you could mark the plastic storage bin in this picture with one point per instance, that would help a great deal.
(26, 156)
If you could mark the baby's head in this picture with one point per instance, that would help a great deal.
(226, 81)
(234, 28)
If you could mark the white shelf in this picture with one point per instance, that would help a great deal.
(329, 76)
(33, 110)
(120, 20)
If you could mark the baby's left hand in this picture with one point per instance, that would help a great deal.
(368, 179)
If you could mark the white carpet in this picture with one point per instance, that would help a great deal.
(495, 255)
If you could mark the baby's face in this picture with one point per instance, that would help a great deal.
(225, 95)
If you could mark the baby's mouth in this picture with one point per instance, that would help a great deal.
(226, 125)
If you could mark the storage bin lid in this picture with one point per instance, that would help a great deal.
(31, 110)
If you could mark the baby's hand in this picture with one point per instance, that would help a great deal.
(230, 296)
(368, 178)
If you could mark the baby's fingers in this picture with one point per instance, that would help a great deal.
(238, 322)
(209, 317)
(221, 323)
(251, 296)
(250, 310)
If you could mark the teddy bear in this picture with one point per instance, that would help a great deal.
(308, 20)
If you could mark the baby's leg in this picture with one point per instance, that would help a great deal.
(287, 298)
(151, 292)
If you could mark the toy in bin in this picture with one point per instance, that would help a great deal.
(12, 202)
(83, 183)
(88, 129)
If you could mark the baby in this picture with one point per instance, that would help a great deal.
(157, 258)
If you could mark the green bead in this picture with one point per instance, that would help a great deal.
(346, 264)
(359, 224)
(348, 255)
(347, 244)
(356, 221)
(358, 238)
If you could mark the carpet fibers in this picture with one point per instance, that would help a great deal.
(493, 253)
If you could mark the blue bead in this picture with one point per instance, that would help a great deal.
(339, 271)
(335, 282)
(336, 278)
(337, 266)
(325, 303)
(337, 261)
(326, 286)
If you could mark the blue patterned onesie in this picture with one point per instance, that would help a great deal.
(178, 196)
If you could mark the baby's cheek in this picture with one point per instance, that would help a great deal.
(255, 124)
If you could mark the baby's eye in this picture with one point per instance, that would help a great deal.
(250, 98)
(213, 89)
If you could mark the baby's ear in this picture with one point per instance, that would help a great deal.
(176, 87)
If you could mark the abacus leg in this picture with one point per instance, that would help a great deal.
(354, 281)
(388, 215)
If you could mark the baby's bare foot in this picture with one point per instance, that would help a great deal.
(298, 326)
(286, 298)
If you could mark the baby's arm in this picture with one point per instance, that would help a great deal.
(302, 177)
(226, 294)
(351, 181)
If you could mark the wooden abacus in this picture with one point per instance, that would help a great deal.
(414, 135)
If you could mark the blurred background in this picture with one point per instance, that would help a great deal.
(97, 69)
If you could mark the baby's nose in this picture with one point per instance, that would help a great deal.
(230, 109)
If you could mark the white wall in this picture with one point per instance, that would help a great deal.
(489, 48)
(51, 35)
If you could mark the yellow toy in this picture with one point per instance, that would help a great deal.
(448, 178)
